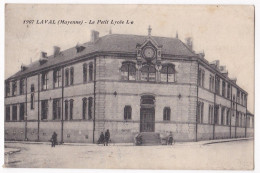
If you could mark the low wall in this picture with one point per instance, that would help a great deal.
(205, 132)
(222, 132)
(14, 131)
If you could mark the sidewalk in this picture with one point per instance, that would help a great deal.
(207, 142)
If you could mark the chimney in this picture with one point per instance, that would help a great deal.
(23, 67)
(189, 43)
(215, 64)
(44, 55)
(56, 51)
(94, 36)
(233, 80)
(43, 58)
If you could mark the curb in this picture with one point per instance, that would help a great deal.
(131, 144)
(224, 141)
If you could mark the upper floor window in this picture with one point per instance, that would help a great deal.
(148, 73)
(228, 91)
(128, 71)
(211, 83)
(90, 71)
(45, 81)
(127, 113)
(67, 77)
(168, 73)
(238, 96)
(57, 78)
(71, 75)
(7, 89)
(167, 114)
(201, 77)
(22, 86)
(223, 89)
(32, 96)
(217, 86)
(14, 88)
(85, 70)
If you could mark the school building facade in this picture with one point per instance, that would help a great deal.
(127, 84)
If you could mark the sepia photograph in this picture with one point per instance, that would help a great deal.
(164, 87)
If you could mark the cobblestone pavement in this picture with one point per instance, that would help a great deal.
(227, 155)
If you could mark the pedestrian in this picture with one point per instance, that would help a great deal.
(54, 139)
(101, 138)
(170, 139)
(107, 138)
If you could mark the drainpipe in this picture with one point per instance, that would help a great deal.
(214, 112)
(246, 120)
(62, 100)
(26, 113)
(38, 134)
(236, 120)
(197, 102)
(230, 128)
(94, 118)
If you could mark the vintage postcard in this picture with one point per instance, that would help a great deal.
(129, 86)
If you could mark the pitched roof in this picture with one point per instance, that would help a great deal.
(119, 43)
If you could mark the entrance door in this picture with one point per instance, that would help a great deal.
(147, 120)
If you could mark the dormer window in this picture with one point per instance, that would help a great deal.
(79, 48)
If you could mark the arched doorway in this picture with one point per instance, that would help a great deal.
(147, 114)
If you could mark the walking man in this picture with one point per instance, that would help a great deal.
(107, 138)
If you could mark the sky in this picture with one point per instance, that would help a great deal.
(225, 32)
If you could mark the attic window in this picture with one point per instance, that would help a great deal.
(80, 48)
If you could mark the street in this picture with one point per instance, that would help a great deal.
(227, 155)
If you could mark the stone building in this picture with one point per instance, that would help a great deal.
(127, 84)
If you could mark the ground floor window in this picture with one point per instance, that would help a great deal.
(90, 104)
(14, 113)
(66, 109)
(7, 113)
(22, 110)
(44, 114)
(127, 113)
(56, 109)
(200, 112)
(167, 114)
(71, 109)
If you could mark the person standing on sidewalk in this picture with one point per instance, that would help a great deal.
(53, 139)
(107, 138)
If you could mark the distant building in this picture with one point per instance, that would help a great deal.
(127, 84)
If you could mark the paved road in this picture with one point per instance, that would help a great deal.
(230, 155)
